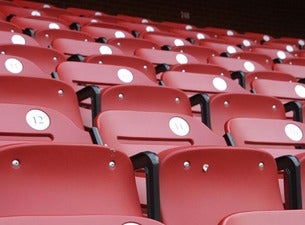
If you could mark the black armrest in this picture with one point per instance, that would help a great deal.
(95, 136)
(240, 76)
(29, 31)
(76, 58)
(94, 93)
(162, 68)
(150, 162)
(229, 139)
(291, 167)
(203, 101)
(166, 47)
(296, 108)
(75, 26)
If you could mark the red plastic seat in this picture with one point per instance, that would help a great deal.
(273, 53)
(279, 217)
(166, 110)
(31, 4)
(85, 48)
(219, 46)
(258, 37)
(45, 37)
(100, 74)
(15, 65)
(295, 70)
(129, 45)
(200, 53)
(165, 57)
(165, 39)
(273, 135)
(202, 68)
(295, 61)
(139, 28)
(256, 57)
(232, 64)
(137, 63)
(38, 23)
(106, 32)
(85, 12)
(46, 59)
(220, 31)
(8, 37)
(20, 11)
(66, 180)
(78, 220)
(220, 182)
(268, 75)
(37, 109)
(301, 158)
(225, 106)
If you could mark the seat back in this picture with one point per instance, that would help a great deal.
(157, 119)
(66, 180)
(219, 182)
(27, 116)
(103, 75)
(230, 105)
(267, 133)
(8, 37)
(279, 217)
(295, 70)
(233, 64)
(45, 58)
(85, 48)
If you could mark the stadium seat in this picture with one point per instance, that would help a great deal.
(224, 106)
(40, 110)
(258, 37)
(220, 182)
(193, 36)
(161, 57)
(32, 4)
(105, 32)
(166, 110)
(15, 65)
(138, 28)
(66, 180)
(295, 70)
(129, 45)
(295, 61)
(233, 64)
(45, 37)
(102, 75)
(202, 68)
(279, 217)
(137, 63)
(256, 57)
(220, 31)
(34, 24)
(8, 37)
(85, 12)
(78, 220)
(268, 75)
(45, 58)
(71, 47)
(10, 11)
(221, 47)
(200, 53)
(273, 53)
(237, 40)
(165, 40)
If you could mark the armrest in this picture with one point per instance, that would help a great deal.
(203, 101)
(291, 167)
(94, 93)
(162, 68)
(76, 58)
(296, 108)
(150, 162)
(240, 76)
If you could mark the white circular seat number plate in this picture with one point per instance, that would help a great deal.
(293, 132)
(179, 126)
(13, 65)
(300, 91)
(125, 75)
(37, 119)
(18, 40)
(220, 84)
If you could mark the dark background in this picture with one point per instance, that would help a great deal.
(274, 17)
